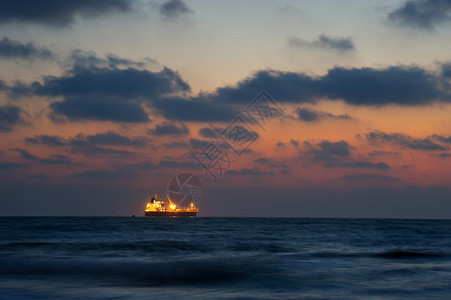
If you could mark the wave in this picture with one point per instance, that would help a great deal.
(135, 272)
(406, 254)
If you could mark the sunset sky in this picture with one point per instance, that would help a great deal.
(102, 102)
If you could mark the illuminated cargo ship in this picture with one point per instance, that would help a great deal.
(157, 207)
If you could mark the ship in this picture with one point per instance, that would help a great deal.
(157, 207)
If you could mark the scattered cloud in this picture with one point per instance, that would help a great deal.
(250, 172)
(311, 115)
(171, 9)
(195, 110)
(369, 177)
(424, 14)
(358, 164)
(210, 133)
(54, 159)
(340, 44)
(10, 116)
(404, 141)
(176, 164)
(11, 49)
(48, 140)
(327, 150)
(7, 166)
(107, 174)
(167, 128)
(58, 13)
(402, 85)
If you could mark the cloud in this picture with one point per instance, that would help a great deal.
(9, 116)
(176, 164)
(358, 164)
(58, 13)
(402, 85)
(210, 133)
(107, 175)
(294, 143)
(54, 159)
(327, 150)
(310, 115)
(339, 44)
(446, 70)
(424, 14)
(98, 109)
(11, 49)
(48, 140)
(145, 165)
(57, 159)
(7, 166)
(110, 138)
(167, 128)
(127, 83)
(403, 140)
(91, 144)
(25, 154)
(113, 139)
(80, 59)
(98, 89)
(250, 172)
(195, 110)
(198, 144)
(369, 177)
(174, 8)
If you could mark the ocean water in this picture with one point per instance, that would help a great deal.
(224, 258)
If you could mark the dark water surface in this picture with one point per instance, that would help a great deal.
(225, 258)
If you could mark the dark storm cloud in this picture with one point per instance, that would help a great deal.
(56, 12)
(422, 13)
(369, 177)
(340, 44)
(167, 128)
(11, 49)
(174, 8)
(311, 115)
(327, 150)
(403, 85)
(403, 140)
(358, 164)
(10, 116)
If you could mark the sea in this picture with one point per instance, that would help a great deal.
(224, 258)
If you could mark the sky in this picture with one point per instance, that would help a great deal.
(281, 108)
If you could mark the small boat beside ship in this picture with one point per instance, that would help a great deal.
(157, 207)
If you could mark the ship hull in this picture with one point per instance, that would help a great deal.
(170, 214)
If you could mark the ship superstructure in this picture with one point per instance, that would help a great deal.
(157, 207)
